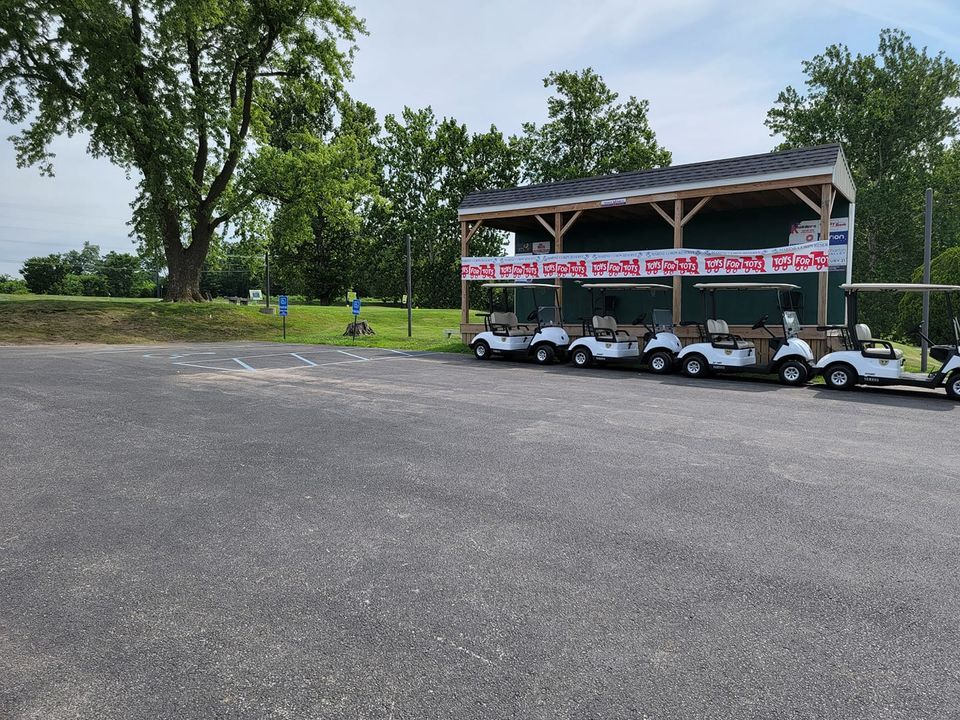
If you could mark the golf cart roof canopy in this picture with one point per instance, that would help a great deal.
(519, 285)
(898, 287)
(627, 286)
(746, 286)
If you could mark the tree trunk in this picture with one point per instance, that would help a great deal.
(184, 264)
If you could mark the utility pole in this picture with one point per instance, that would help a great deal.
(927, 243)
(409, 291)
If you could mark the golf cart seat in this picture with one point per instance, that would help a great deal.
(605, 329)
(505, 323)
(872, 348)
(721, 337)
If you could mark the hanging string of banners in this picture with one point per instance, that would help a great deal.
(806, 257)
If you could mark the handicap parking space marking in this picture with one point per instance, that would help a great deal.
(247, 363)
(177, 356)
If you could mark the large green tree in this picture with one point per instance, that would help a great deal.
(892, 111)
(168, 89)
(588, 132)
(429, 166)
(322, 234)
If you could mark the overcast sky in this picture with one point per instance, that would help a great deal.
(710, 69)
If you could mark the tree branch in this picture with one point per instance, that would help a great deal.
(200, 162)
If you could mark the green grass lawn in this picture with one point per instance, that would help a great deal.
(55, 319)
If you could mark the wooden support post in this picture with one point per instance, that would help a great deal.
(558, 248)
(677, 243)
(826, 203)
(464, 289)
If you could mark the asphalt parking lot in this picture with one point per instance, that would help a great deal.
(278, 531)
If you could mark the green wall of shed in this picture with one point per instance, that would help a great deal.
(732, 230)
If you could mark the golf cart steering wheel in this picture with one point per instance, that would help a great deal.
(638, 320)
(532, 315)
(761, 322)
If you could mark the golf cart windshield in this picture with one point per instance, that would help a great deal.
(662, 320)
(791, 324)
(548, 316)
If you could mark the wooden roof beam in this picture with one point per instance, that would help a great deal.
(716, 191)
(547, 226)
(663, 214)
(570, 222)
(806, 198)
(696, 208)
(472, 231)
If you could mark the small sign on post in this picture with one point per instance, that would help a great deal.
(282, 302)
(355, 309)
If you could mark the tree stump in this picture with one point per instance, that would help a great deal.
(358, 328)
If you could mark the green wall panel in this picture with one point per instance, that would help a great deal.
(732, 230)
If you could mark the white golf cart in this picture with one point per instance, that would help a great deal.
(543, 336)
(721, 351)
(603, 341)
(866, 360)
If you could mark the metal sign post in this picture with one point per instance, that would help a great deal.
(409, 291)
(927, 241)
(282, 301)
(355, 309)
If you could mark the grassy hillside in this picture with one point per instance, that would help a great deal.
(51, 319)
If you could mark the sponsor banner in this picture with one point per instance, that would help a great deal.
(808, 257)
(809, 231)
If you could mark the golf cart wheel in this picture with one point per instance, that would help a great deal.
(793, 372)
(481, 351)
(840, 377)
(581, 357)
(695, 366)
(953, 386)
(544, 354)
(660, 362)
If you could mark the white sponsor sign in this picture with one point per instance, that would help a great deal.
(808, 257)
(809, 231)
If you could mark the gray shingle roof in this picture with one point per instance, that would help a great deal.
(634, 182)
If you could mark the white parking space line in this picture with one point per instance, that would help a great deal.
(358, 357)
(398, 352)
(242, 364)
(308, 362)
(210, 367)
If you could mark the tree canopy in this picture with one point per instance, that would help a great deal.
(892, 111)
(588, 132)
(168, 89)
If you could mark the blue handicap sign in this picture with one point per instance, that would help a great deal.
(282, 299)
(356, 306)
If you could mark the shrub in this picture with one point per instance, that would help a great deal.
(43, 274)
(94, 285)
(69, 284)
(13, 286)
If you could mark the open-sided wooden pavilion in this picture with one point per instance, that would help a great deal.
(730, 204)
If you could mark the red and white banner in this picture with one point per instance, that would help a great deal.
(807, 257)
